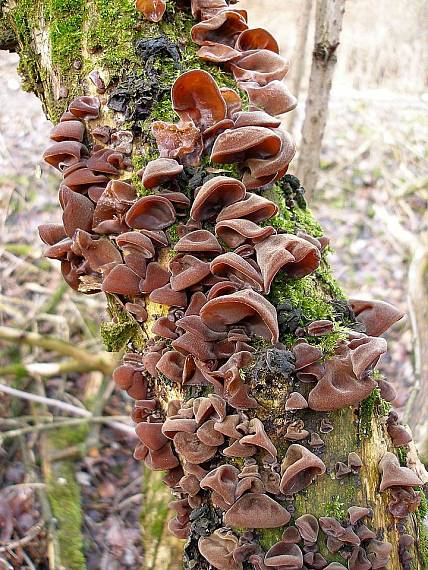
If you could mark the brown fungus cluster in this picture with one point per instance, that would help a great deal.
(210, 310)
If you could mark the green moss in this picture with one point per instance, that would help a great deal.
(366, 411)
(327, 280)
(62, 438)
(268, 537)
(65, 23)
(303, 294)
(64, 497)
(422, 538)
(336, 508)
(172, 233)
(112, 30)
(116, 335)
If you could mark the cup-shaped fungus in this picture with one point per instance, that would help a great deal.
(358, 559)
(97, 252)
(121, 280)
(258, 437)
(256, 511)
(196, 96)
(299, 468)
(333, 529)
(295, 401)
(251, 207)
(156, 277)
(182, 141)
(245, 307)
(379, 553)
(214, 195)
(261, 66)
(187, 270)
(218, 549)
(240, 144)
(283, 555)
(189, 446)
(404, 500)
(308, 528)
(376, 316)
(398, 433)
(237, 232)
(171, 365)
(129, 378)
(85, 107)
(223, 28)
(159, 171)
(274, 98)
(358, 513)
(198, 241)
(151, 213)
(153, 10)
(77, 211)
(256, 38)
(393, 475)
(296, 256)
(223, 481)
(235, 268)
(68, 131)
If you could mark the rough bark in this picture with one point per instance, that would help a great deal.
(328, 25)
(60, 43)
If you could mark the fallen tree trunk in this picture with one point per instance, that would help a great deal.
(282, 446)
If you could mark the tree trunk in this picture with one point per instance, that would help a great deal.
(328, 25)
(61, 45)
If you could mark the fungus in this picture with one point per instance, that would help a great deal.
(192, 449)
(378, 553)
(122, 281)
(159, 171)
(342, 383)
(131, 242)
(64, 153)
(283, 555)
(359, 560)
(165, 328)
(403, 502)
(256, 38)
(218, 549)
(341, 470)
(376, 316)
(212, 407)
(364, 533)
(299, 468)
(174, 424)
(150, 213)
(358, 513)
(171, 365)
(291, 535)
(258, 437)
(259, 65)
(85, 107)
(308, 528)
(315, 560)
(214, 195)
(251, 207)
(237, 449)
(190, 485)
(153, 10)
(199, 241)
(156, 277)
(68, 130)
(222, 28)
(208, 435)
(256, 511)
(130, 378)
(151, 435)
(333, 529)
(319, 328)
(77, 211)
(295, 401)
(335, 566)
(393, 475)
(274, 98)
(234, 267)
(295, 431)
(97, 252)
(187, 270)
(223, 481)
(245, 307)
(354, 461)
(315, 440)
(243, 143)
(182, 141)
(237, 232)
(398, 433)
(387, 390)
(196, 97)
(297, 257)
(228, 426)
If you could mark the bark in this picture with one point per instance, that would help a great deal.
(59, 47)
(328, 25)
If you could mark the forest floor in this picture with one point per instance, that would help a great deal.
(373, 161)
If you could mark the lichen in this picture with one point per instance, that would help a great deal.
(64, 497)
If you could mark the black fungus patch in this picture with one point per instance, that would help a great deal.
(150, 50)
(293, 190)
(289, 318)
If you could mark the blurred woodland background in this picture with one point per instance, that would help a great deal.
(371, 198)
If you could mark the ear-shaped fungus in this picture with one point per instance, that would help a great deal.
(64, 153)
(97, 252)
(192, 449)
(358, 513)
(274, 98)
(378, 553)
(240, 144)
(85, 107)
(200, 241)
(196, 97)
(296, 256)
(345, 381)
(393, 475)
(223, 28)
(235, 267)
(308, 528)
(77, 211)
(258, 437)
(251, 207)
(299, 468)
(223, 481)
(218, 549)
(214, 195)
(397, 432)
(68, 130)
(237, 232)
(295, 401)
(160, 171)
(256, 511)
(260, 65)
(376, 316)
(187, 270)
(121, 280)
(153, 10)
(283, 555)
(151, 213)
(245, 307)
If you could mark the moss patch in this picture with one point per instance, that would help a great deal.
(116, 335)
(65, 23)
(64, 498)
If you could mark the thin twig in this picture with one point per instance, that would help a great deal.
(31, 535)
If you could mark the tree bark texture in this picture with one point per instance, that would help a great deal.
(104, 48)
(328, 25)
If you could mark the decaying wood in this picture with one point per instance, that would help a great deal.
(328, 25)
(362, 430)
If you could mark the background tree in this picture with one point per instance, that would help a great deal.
(60, 49)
